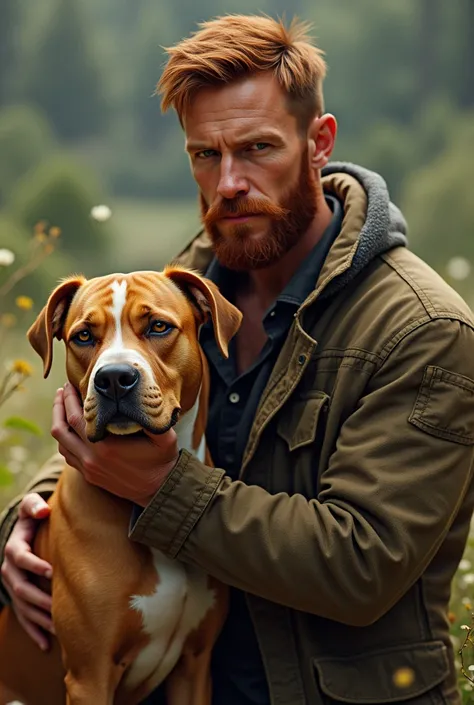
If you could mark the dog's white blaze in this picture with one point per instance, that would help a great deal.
(177, 607)
(117, 352)
(119, 299)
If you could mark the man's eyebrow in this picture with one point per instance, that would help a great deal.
(251, 138)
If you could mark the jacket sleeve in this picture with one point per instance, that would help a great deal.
(402, 466)
(44, 483)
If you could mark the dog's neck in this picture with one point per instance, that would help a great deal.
(191, 428)
(185, 431)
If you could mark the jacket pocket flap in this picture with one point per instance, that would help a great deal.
(299, 428)
(384, 676)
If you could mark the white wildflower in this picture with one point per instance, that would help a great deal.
(6, 258)
(465, 564)
(101, 213)
(18, 454)
(469, 578)
(458, 268)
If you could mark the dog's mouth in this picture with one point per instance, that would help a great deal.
(122, 419)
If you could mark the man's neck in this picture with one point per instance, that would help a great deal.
(266, 284)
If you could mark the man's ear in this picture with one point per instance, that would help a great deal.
(321, 138)
(50, 321)
(226, 318)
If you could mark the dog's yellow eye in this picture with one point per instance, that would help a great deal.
(159, 328)
(83, 336)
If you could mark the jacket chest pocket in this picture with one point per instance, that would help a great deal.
(304, 420)
(300, 436)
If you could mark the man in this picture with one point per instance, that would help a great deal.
(343, 421)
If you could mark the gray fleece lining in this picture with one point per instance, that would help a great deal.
(384, 228)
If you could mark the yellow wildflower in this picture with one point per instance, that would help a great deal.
(49, 248)
(55, 231)
(39, 227)
(24, 302)
(41, 237)
(22, 368)
(8, 320)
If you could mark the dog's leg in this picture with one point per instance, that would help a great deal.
(93, 683)
(190, 682)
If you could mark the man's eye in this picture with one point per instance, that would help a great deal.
(83, 337)
(259, 146)
(206, 153)
(160, 328)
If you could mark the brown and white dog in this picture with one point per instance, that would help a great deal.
(127, 617)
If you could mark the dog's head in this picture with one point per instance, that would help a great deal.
(132, 344)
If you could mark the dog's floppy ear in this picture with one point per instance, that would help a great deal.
(50, 321)
(226, 318)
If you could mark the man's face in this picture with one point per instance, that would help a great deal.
(258, 193)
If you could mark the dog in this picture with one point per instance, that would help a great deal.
(127, 618)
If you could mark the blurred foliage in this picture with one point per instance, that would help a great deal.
(25, 140)
(63, 78)
(62, 191)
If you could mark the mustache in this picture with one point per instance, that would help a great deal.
(248, 205)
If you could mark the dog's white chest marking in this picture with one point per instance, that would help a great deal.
(179, 604)
(181, 600)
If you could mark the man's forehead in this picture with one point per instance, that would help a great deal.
(241, 105)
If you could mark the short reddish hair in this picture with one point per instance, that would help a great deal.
(228, 48)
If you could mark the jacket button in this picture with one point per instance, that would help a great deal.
(234, 398)
(301, 359)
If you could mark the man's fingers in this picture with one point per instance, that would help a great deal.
(19, 587)
(31, 613)
(34, 506)
(73, 410)
(35, 633)
(26, 560)
(59, 427)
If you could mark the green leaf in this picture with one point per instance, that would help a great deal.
(6, 477)
(18, 423)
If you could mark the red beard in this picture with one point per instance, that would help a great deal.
(237, 249)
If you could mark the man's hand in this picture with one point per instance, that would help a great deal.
(132, 468)
(31, 605)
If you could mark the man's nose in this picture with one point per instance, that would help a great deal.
(232, 182)
(115, 381)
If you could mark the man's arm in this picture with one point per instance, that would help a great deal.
(403, 464)
(44, 484)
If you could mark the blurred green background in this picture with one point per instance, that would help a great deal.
(80, 127)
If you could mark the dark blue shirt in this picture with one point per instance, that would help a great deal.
(237, 670)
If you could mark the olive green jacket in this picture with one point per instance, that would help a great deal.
(356, 490)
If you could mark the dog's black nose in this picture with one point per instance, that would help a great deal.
(115, 381)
